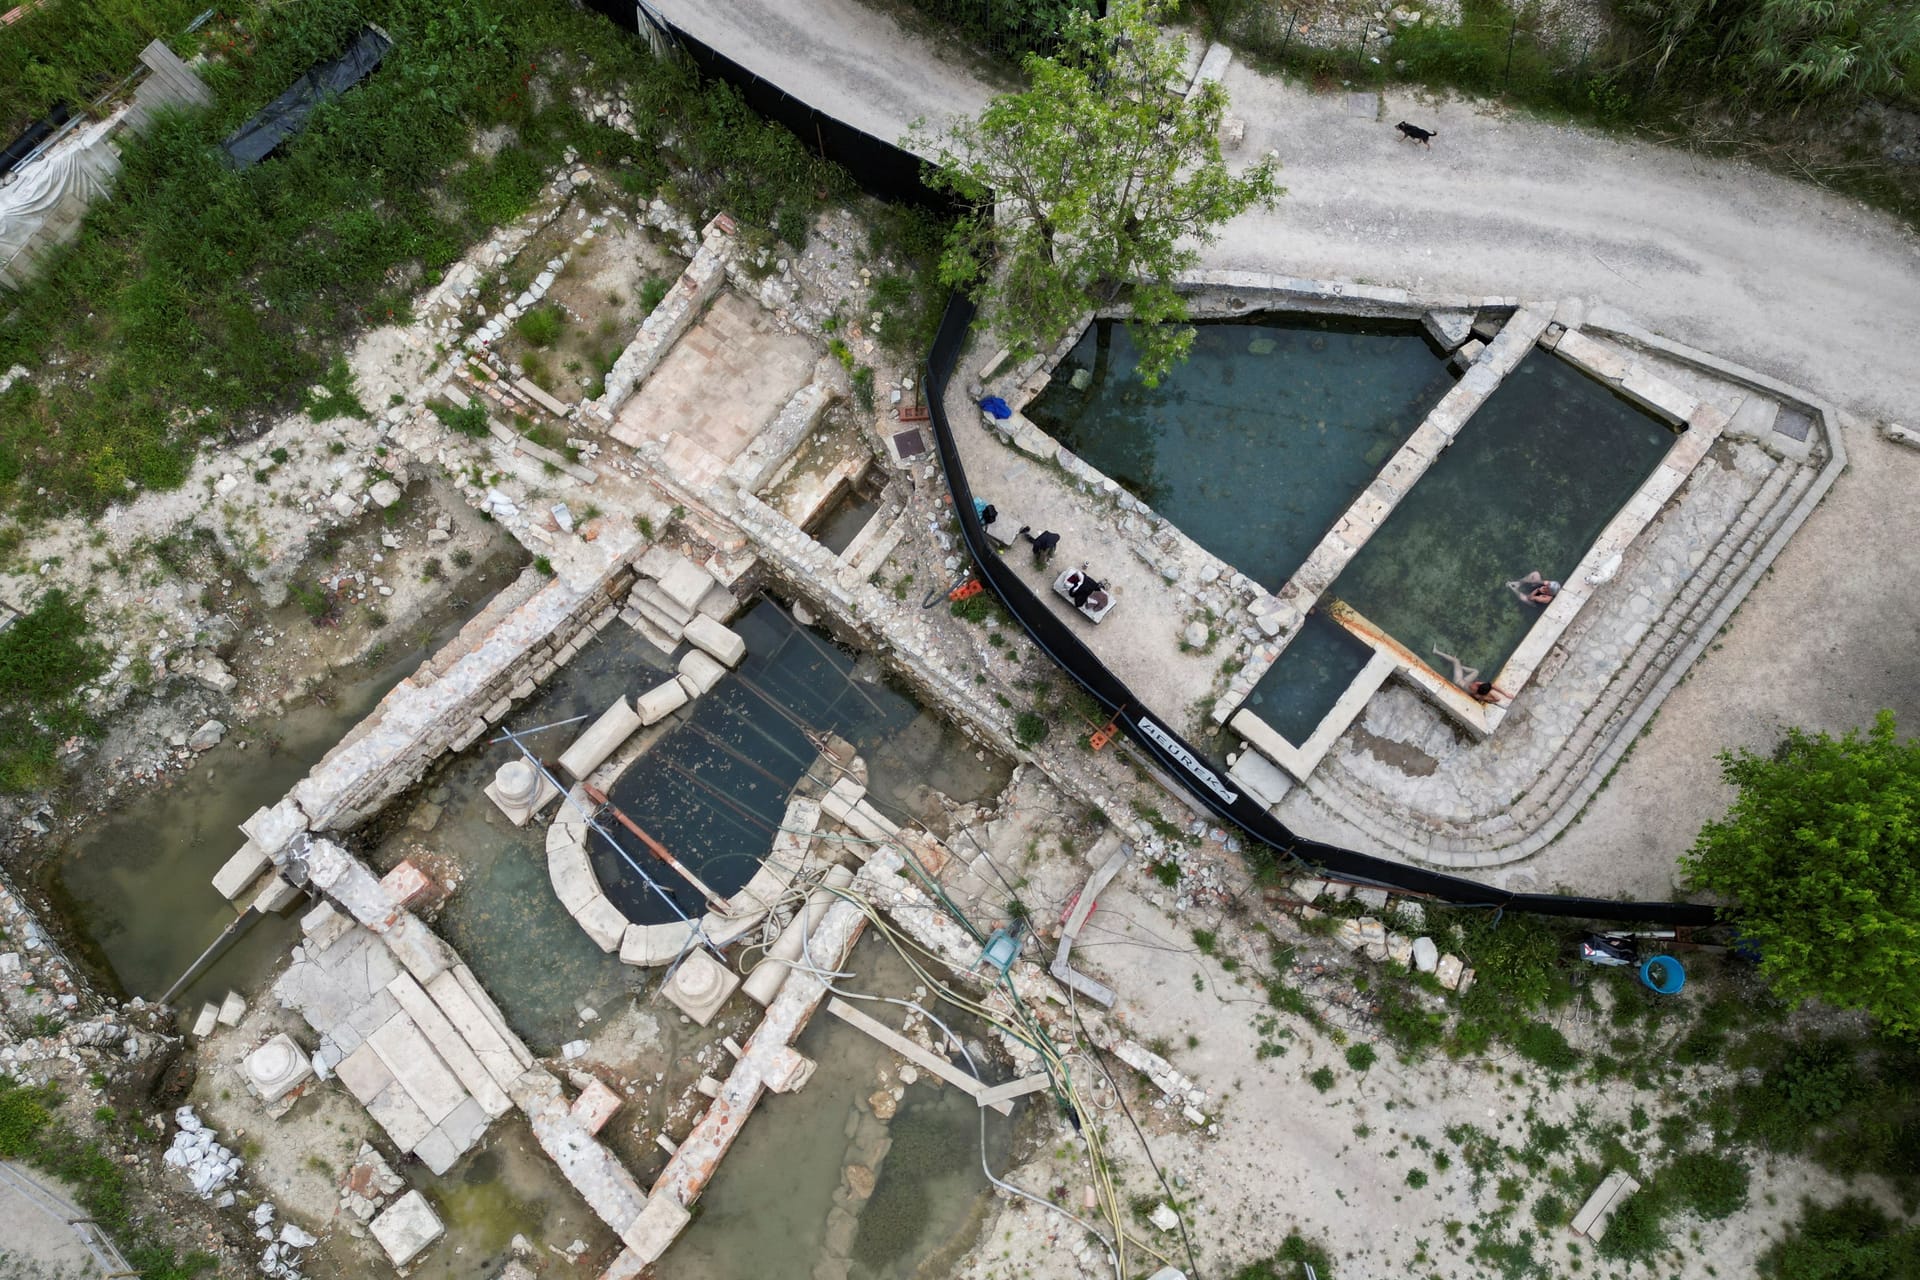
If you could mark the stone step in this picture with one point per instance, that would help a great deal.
(663, 622)
(653, 594)
(1673, 637)
(651, 634)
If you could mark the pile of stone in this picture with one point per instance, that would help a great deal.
(281, 1259)
(208, 1165)
(1370, 935)
(368, 1185)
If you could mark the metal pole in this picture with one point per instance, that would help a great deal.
(1506, 76)
(1293, 20)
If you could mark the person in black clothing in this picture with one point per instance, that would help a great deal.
(1083, 590)
(1043, 544)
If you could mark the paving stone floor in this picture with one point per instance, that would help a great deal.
(722, 382)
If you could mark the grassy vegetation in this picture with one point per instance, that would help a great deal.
(31, 1132)
(45, 658)
(1290, 1260)
(70, 51)
(200, 299)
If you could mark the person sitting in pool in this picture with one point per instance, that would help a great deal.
(1534, 589)
(1468, 678)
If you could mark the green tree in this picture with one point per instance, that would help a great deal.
(1820, 856)
(1106, 176)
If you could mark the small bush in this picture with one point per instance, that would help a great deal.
(1321, 1079)
(1416, 1178)
(652, 293)
(1851, 1240)
(1290, 1260)
(1543, 1043)
(1636, 1230)
(1030, 729)
(1361, 1056)
(541, 326)
(1712, 1185)
(470, 421)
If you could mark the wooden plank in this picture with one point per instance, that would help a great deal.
(1013, 1089)
(907, 1049)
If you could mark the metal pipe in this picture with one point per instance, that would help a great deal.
(218, 947)
(657, 849)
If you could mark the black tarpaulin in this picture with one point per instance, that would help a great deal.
(287, 114)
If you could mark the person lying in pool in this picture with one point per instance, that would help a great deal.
(1534, 589)
(1468, 678)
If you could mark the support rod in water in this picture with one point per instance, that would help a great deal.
(658, 850)
(228, 936)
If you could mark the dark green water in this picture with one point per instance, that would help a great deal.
(714, 809)
(1257, 443)
(1531, 481)
(715, 787)
(137, 885)
(1298, 690)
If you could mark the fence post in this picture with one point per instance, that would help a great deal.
(1360, 62)
(1292, 19)
(1513, 32)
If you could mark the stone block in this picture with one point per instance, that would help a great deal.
(1400, 949)
(1426, 956)
(615, 725)
(1260, 778)
(660, 702)
(717, 639)
(647, 945)
(437, 1150)
(685, 583)
(1754, 418)
(519, 790)
(323, 926)
(406, 1053)
(239, 872)
(271, 827)
(499, 1052)
(700, 986)
(700, 671)
(406, 1228)
(603, 922)
(1448, 969)
(277, 895)
(409, 886)
(364, 1075)
(658, 1225)
(450, 1045)
(277, 1068)
(232, 1009)
(569, 869)
(415, 945)
(1448, 329)
(595, 1106)
(206, 1021)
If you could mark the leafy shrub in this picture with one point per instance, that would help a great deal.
(1851, 1240)
(540, 326)
(1543, 1043)
(1321, 1079)
(1712, 1185)
(1637, 1229)
(470, 421)
(1030, 729)
(1290, 1260)
(46, 656)
(652, 293)
(1361, 1056)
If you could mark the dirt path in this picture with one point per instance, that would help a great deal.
(1790, 280)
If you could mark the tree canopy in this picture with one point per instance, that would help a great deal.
(1106, 176)
(1820, 856)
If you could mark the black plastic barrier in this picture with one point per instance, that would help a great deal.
(1178, 757)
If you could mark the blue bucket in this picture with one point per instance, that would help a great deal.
(1663, 974)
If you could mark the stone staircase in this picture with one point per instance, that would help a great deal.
(670, 592)
(1601, 738)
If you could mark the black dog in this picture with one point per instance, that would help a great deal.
(1414, 133)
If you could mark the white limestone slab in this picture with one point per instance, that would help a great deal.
(660, 702)
(450, 1045)
(718, 639)
(406, 1228)
(417, 1068)
(603, 922)
(615, 725)
(249, 864)
(701, 671)
(400, 1116)
(685, 583)
(489, 1044)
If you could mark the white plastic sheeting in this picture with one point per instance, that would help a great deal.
(55, 189)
